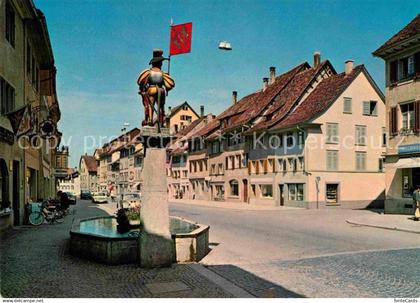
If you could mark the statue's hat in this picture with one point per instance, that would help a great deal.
(157, 56)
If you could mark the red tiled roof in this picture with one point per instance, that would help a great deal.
(90, 163)
(252, 105)
(410, 30)
(211, 126)
(320, 99)
(189, 128)
(289, 96)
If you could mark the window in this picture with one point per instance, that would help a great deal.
(408, 116)
(332, 159)
(370, 108)
(331, 193)
(360, 135)
(234, 188)
(7, 97)
(347, 105)
(381, 164)
(300, 138)
(10, 24)
(383, 136)
(360, 161)
(290, 139)
(296, 192)
(215, 147)
(332, 132)
(266, 190)
(404, 68)
(138, 161)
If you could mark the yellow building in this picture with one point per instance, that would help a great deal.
(27, 82)
(181, 116)
(402, 74)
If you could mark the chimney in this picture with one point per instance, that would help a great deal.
(272, 74)
(317, 59)
(201, 111)
(234, 97)
(265, 84)
(169, 109)
(349, 66)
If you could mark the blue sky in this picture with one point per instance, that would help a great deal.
(100, 46)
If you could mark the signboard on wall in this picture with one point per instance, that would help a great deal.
(409, 149)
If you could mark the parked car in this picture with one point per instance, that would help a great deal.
(85, 195)
(100, 197)
(130, 200)
(72, 198)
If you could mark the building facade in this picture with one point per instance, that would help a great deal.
(88, 173)
(71, 183)
(28, 104)
(401, 54)
(311, 137)
(180, 117)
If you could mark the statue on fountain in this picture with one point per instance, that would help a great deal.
(154, 85)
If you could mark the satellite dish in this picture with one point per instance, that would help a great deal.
(224, 45)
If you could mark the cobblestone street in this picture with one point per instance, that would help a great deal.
(35, 263)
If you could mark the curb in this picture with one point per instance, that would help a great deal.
(224, 284)
(260, 208)
(383, 227)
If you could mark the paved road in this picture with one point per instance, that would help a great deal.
(308, 252)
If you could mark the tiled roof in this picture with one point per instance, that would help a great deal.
(123, 140)
(210, 127)
(319, 99)
(90, 163)
(189, 128)
(252, 105)
(410, 30)
(289, 96)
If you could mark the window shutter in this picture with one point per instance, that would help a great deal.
(265, 166)
(417, 116)
(249, 168)
(393, 70)
(393, 121)
(257, 167)
(366, 107)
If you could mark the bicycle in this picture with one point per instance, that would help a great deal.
(44, 213)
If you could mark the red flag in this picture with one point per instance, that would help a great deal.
(180, 39)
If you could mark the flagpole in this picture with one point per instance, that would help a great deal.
(169, 57)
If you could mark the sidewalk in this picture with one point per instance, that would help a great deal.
(393, 222)
(233, 205)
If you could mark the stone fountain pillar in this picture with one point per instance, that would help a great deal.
(156, 245)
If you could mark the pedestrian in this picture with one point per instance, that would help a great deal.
(416, 203)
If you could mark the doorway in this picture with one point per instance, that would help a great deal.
(281, 194)
(4, 185)
(16, 194)
(245, 185)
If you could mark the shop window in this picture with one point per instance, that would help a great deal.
(296, 192)
(332, 193)
(234, 188)
(266, 190)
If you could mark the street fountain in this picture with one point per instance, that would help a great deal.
(160, 240)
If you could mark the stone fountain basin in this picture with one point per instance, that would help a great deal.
(97, 239)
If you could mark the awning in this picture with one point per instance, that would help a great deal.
(407, 163)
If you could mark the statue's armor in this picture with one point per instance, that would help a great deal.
(156, 78)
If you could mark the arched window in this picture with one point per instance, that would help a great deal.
(234, 188)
